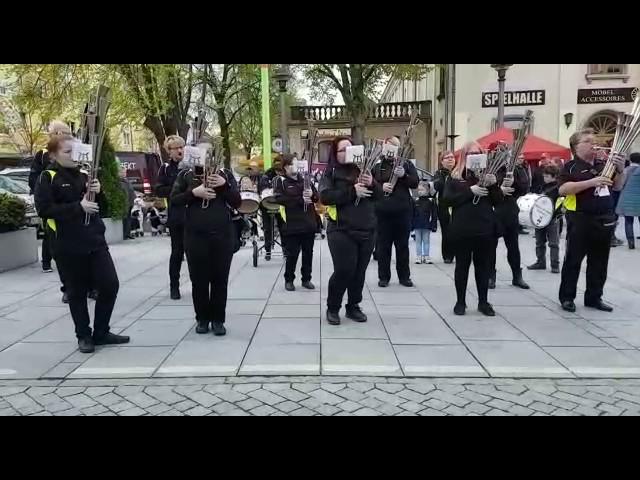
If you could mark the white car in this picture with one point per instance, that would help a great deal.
(20, 175)
(18, 189)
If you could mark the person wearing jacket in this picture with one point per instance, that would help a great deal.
(209, 240)
(550, 233)
(394, 214)
(425, 221)
(80, 249)
(444, 216)
(513, 187)
(41, 162)
(268, 219)
(473, 228)
(167, 176)
(350, 229)
(629, 203)
(299, 222)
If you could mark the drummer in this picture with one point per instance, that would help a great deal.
(266, 182)
(299, 222)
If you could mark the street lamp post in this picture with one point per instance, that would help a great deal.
(501, 68)
(283, 76)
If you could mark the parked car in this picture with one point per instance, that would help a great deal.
(17, 189)
(142, 169)
(13, 160)
(20, 175)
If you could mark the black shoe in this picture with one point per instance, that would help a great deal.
(46, 268)
(599, 305)
(630, 241)
(308, 285)
(333, 318)
(267, 257)
(460, 309)
(93, 295)
(555, 270)
(383, 283)
(289, 287)
(406, 283)
(448, 261)
(356, 314)
(537, 266)
(486, 309)
(65, 298)
(111, 339)
(86, 345)
(202, 328)
(492, 283)
(175, 293)
(519, 282)
(218, 329)
(569, 306)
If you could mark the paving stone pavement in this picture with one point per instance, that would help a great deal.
(317, 396)
(411, 333)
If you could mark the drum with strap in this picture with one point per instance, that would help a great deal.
(536, 211)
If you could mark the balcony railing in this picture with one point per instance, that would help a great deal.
(385, 112)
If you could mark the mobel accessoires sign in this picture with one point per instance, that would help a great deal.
(524, 98)
(607, 95)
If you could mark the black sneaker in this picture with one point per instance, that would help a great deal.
(218, 329)
(289, 287)
(175, 294)
(460, 309)
(267, 257)
(333, 318)
(356, 314)
(486, 309)
(519, 282)
(383, 283)
(599, 305)
(46, 268)
(406, 283)
(308, 285)
(537, 266)
(111, 339)
(86, 345)
(65, 298)
(202, 328)
(569, 306)
(448, 261)
(555, 270)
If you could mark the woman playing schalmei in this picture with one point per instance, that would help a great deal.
(81, 250)
(473, 228)
(350, 230)
(209, 241)
(299, 222)
(441, 178)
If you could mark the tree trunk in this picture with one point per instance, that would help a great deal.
(154, 124)
(224, 132)
(358, 126)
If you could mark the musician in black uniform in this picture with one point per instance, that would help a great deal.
(209, 240)
(509, 225)
(350, 230)
(441, 177)
(80, 249)
(590, 221)
(176, 214)
(394, 213)
(299, 221)
(268, 219)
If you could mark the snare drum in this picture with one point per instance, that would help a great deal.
(269, 200)
(250, 203)
(536, 211)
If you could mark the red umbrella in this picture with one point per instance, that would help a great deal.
(535, 148)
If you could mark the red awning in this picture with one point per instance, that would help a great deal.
(534, 147)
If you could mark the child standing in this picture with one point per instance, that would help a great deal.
(425, 221)
(551, 233)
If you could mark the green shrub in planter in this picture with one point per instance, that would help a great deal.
(109, 176)
(12, 213)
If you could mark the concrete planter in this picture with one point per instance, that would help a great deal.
(113, 233)
(18, 249)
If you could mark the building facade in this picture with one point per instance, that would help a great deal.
(563, 97)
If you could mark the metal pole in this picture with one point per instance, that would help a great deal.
(453, 107)
(501, 82)
(283, 121)
(266, 116)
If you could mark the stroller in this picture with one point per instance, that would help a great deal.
(137, 218)
(158, 220)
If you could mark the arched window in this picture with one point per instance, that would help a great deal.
(604, 124)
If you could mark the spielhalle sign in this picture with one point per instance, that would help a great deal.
(515, 99)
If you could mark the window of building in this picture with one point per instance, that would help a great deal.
(604, 124)
(126, 137)
(599, 71)
(3, 90)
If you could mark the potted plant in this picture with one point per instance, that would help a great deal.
(114, 208)
(18, 245)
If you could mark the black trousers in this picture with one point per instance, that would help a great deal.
(268, 227)
(511, 238)
(177, 254)
(477, 250)
(209, 258)
(126, 225)
(351, 256)
(81, 273)
(590, 237)
(293, 244)
(448, 248)
(47, 253)
(393, 230)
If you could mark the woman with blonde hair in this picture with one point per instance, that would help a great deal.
(447, 163)
(473, 227)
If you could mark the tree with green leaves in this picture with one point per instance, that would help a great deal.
(358, 83)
